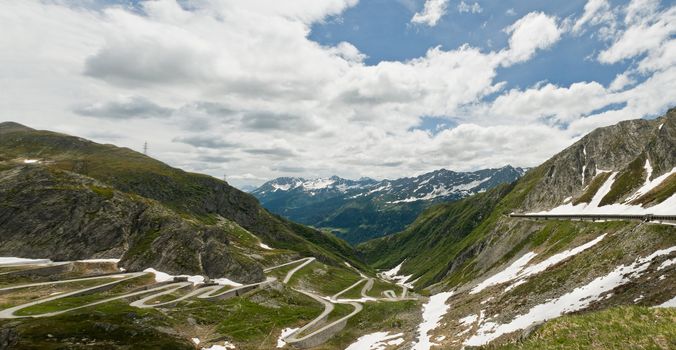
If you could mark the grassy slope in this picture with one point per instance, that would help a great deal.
(626, 181)
(192, 195)
(444, 227)
(627, 327)
(324, 279)
(113, 325)
(452, 234)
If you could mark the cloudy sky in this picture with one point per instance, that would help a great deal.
(258, 89)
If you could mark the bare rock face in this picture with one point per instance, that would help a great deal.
(610, 148)
(50, 213)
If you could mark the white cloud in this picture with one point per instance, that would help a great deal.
(621, 81)
(647, 31)
(597, 12)
(464, 7)
(534, 31)
(431, 13)
(238, 88)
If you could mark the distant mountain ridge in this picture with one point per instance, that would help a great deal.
(358, 210)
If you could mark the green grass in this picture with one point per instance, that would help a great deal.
(105, 192)
(627, 327)
(658, 194)
(394, 317)
(76, 301)
(626, 181)
(380, 286)
(113, 325)
(251, 321)
(593, 187)
(339, 311)
(281, 272)
(354, 293)
(195, 197)
(441, 231)
(24, 295)
(324, 279)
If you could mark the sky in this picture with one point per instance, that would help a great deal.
(257, 89)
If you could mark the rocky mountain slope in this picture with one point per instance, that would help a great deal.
(358, 210)
(498, 277)
(66, 198)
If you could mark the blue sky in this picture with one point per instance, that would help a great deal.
(259, 89)
(381, 29)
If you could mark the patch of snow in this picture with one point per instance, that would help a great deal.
(669, 303)
(22, 261)
(559, 257)
(638, 298)
(196, 341)
(666, 207)
(226, 346)
(468, 320)
(381, 188)
(264, 246)
(433, 311)
(440, 338)
(515, 284)
(603, 191)
(520, 272)
(584, 168)
(650, 184)
(30, 161)
(442, 191)
(666, 264)
(165, 277)
(567, 199)
(470, 185)
(376, 341)
(487, 300)
(661, 278)
(393, 275)
(660, 127)
(393, 271)
(226, 282)
(575, 300)
(318, 184)
(285, 333)
(506, 275)
(278, 187)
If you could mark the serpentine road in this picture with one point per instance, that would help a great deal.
(211, 292)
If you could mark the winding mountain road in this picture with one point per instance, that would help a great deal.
(300, 338)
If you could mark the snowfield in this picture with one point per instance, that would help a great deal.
(519, 272)
(393, 275)
(433, 311)
(577, 299)
(376, 341)
(667, 207)
(285, 333)
(195, 279)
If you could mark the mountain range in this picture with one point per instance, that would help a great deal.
(102, 201)
(358, 210)
(502, 277)
(523, 264)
